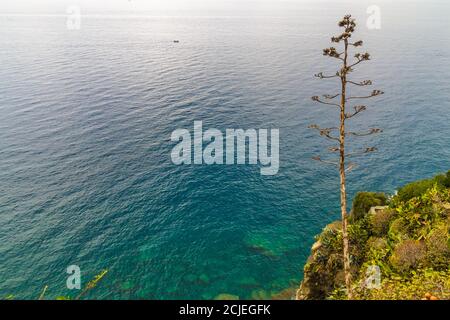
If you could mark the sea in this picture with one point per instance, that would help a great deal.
(86, 117)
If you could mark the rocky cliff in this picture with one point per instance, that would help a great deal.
(400, 247)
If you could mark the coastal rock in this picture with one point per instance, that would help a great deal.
(377, 209)
(286, 294)
(260, 294)
(260, 244)
(248, 282)
(203, 279)
(316, 246)
(334, 226)
(226, 296)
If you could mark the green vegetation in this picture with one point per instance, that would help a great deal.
(363, 201)
(408, 241)
(416, 189)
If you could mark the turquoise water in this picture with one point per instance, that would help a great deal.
(85, 123)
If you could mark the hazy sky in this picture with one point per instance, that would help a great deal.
(186, 7)
(158, 7)
(133, 5)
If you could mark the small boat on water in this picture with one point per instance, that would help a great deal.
(176, 41)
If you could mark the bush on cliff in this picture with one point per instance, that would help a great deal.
(408, 255)
(409, 242)
(417, 286)
(418, 188)
(380, 222)
(438, 247)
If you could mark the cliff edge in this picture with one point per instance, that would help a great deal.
(399, 246)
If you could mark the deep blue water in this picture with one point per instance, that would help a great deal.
(85, 123)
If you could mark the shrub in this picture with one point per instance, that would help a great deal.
(377, 254)
(447, 180)
(418, 188)
(398, 230)
(408, 254)
(380, 222)
(421, 214)
(331, 239)
(414, 189)
(423, 281)
(358, 236)
(443, 180)
(363, 201)
(438, 248)
(377, 243)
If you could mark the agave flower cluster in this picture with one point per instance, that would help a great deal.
(362, 56)
(331, 52)
(349, 24)
(376, 93)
